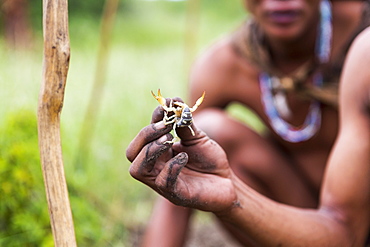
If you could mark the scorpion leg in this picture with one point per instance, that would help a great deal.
(192, 131)
(175, 138)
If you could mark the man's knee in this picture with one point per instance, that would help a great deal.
(211, 121)
(222, 128)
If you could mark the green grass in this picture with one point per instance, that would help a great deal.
(147, 53)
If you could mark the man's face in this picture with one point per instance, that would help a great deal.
(284, 19)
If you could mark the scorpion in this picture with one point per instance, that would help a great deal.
(182, 116)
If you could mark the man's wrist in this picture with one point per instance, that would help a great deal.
(236, 205)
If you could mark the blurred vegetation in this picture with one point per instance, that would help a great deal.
(23, 211)
(147, 52)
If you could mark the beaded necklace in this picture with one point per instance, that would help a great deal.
(313, 120)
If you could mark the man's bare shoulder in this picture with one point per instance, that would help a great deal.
(223, 74)
(355, 85)
(358, 61)
(363, 43)
(222, 57)
(362, 50)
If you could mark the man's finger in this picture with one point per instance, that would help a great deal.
(145, 136)
(187, 137)
(143, 164)
(157, 115)
(167, 178)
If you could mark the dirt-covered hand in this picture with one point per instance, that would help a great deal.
(193, 172)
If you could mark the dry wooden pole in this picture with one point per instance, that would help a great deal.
(191, 31)
(55, 69)
(107, 21)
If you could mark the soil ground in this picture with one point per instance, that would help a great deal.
(204, 232)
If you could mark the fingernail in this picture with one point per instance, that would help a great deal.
(182, 158)
(159, 125)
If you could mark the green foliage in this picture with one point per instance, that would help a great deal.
(24, 219)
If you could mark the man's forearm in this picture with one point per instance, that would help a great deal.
(270, 223)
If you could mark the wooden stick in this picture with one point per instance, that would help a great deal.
(55, 69)
(191, 32)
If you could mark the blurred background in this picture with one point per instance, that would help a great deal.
(151, 45)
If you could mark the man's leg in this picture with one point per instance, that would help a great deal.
(168, 225)
(257, 161)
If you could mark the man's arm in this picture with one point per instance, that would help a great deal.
(344, 213)
(347, 182)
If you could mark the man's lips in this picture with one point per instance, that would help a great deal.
(283, 17)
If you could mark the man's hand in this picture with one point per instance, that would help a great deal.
(192, 173)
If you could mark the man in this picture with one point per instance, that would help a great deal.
(195, 173)
(270, 65)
